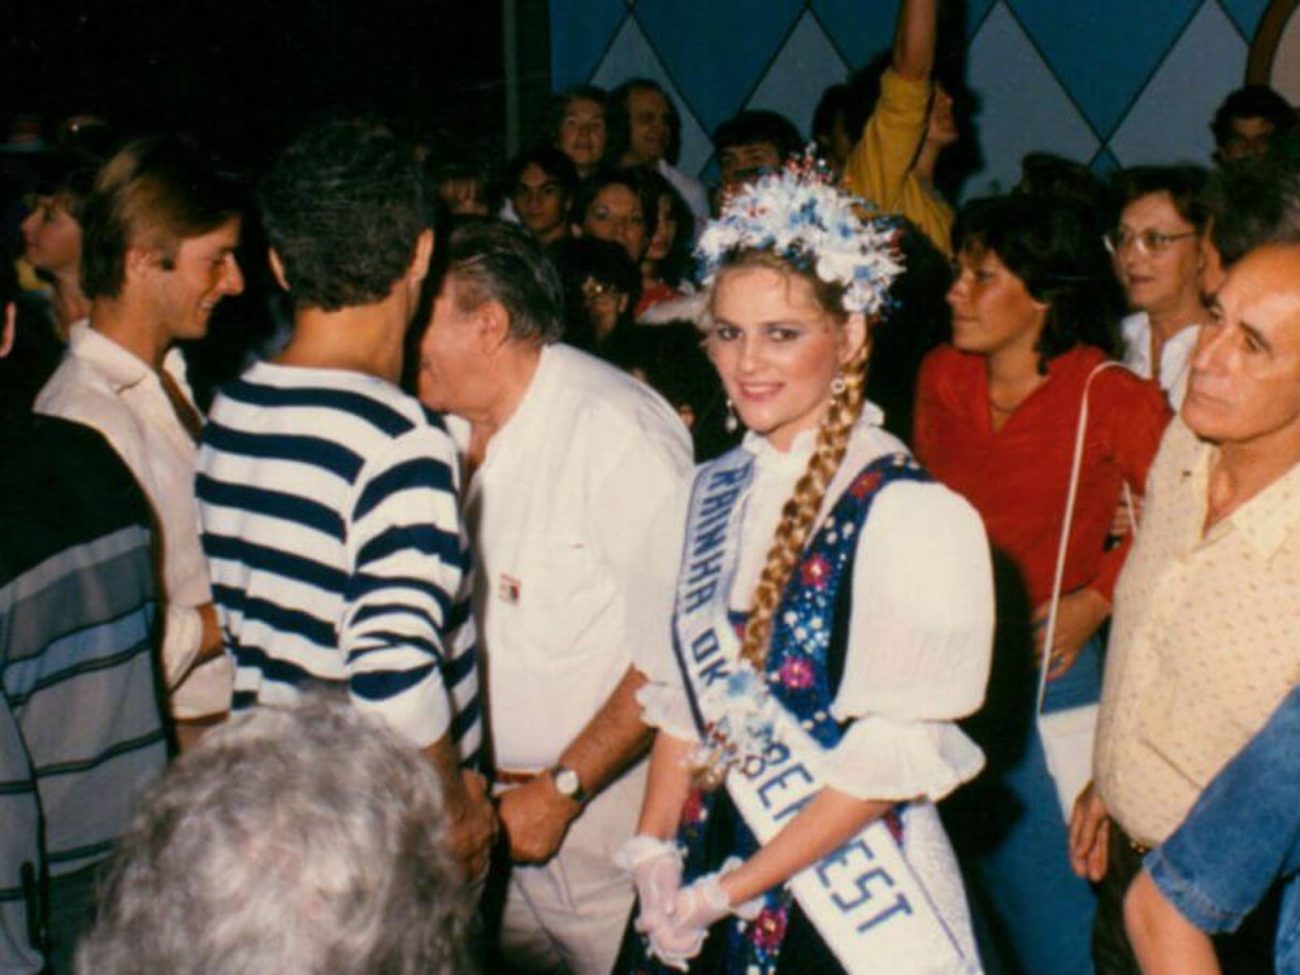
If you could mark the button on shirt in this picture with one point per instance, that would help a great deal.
(102, 385)
(1205, 640)
(559, 512)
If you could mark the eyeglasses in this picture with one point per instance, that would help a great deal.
(1147, 242)
(600, 292)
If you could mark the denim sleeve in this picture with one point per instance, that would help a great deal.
(1243, 833)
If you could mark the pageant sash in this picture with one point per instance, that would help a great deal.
(864, 899)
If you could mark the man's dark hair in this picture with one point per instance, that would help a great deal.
(1184, 184)
(1251, 202)
(1252, 101)
(551, 161)
(752, 127)
(835, 104)
(343, 207)
(1046, 174)
(635, 178)
(153, 193)
(618, 121)
(1048, 244)
(491, 260)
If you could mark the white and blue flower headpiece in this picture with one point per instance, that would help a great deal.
(797, 213)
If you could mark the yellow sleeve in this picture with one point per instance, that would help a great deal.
(879, 168)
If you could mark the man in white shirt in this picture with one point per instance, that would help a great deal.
(569, 459)
(160, 232)
(646, 129)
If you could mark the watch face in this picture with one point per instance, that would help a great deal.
(566, 780)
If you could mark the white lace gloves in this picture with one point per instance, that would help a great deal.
(656, 869)
(673, 918)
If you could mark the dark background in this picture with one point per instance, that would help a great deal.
(242, 76)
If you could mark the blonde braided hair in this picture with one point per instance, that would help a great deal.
(799, 514)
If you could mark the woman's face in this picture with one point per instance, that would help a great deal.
(582, 134)
(51, 237)
(992, 310)
(1165, 273)
(604, 303)
(616, 215)
(665, 231)
(777, 350)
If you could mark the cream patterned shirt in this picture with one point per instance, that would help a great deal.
(1205, 639)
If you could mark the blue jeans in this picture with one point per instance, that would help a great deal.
(1043, 910)
(1242, 835)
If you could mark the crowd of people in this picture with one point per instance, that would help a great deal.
(594, 572)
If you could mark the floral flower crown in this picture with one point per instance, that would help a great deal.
(800, 215)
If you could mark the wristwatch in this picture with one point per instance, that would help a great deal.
(568, 784)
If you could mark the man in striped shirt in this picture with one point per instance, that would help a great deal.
(81, 733)
(328, 498)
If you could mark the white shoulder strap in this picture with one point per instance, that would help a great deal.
(1076, 467)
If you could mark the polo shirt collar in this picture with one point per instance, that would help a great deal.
(121, 368)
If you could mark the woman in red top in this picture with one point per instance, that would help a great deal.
(996, 414)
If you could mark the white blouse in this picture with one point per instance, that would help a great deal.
(921, 635)
(1175, 355)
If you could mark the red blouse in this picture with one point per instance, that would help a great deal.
(1018, 477)
(654, 293)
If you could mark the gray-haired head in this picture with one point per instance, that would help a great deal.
(305, 840)
(495, 261)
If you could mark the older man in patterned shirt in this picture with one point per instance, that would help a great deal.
(1206, 638)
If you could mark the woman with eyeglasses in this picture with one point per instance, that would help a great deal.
(1033, 302)
(1158, 251)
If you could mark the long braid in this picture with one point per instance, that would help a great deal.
(800, 511)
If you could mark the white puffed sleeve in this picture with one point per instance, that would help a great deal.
(663, 699)
(920, 643)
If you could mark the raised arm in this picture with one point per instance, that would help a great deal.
(914, 39)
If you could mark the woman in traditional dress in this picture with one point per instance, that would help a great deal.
(833, 619)
(995, 420)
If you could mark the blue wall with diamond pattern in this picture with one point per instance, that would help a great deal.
(1109, 82)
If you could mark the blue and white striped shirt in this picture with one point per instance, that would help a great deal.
(328, 503)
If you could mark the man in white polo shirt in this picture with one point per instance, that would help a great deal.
(569, 459)
(158, 254)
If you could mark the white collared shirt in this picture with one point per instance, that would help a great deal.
(1175, 355)
(102, 385)
(558, 515)
(692, 191)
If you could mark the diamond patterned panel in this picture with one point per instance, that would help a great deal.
(1105, 163)
(631, 56)
(578, 42)
(1104, 50)
(1050, 74)
(860, 30)
(1171, 120)
(1004, 67)
(807, 62)
(1246, 14)
(717, 50)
